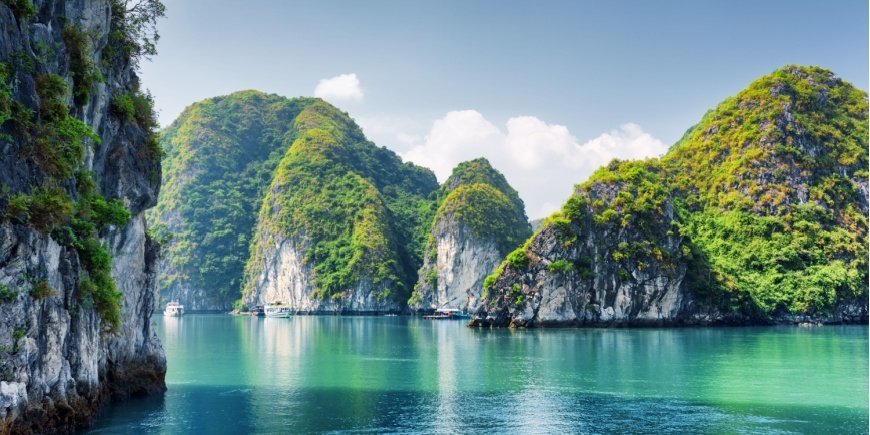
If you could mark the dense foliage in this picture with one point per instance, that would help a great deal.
(487, 213)
(479, 171)
(355, 208)
(769, 197)
(479, 197)
(52, 190)
(771, 180)
(220, 157)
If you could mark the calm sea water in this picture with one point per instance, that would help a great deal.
(396, 374)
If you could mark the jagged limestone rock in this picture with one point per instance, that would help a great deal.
(757, 215)
(480, 218)
(59, 363)
(221, 154)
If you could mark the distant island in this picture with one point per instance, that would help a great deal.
(757, 215)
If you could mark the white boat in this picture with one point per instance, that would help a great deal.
(448, 313)
(277, 310)
(173, 309)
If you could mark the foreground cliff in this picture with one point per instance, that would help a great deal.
(759, 214)
(480, 218)
(342, 225)
(221, 154)
(79, 167)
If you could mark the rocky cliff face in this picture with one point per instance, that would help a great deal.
(576, 271)
(453, 276)
(480, 218)
(221, 154)
(757, 215)
(342, 223)
(77, 269)
(286, 277)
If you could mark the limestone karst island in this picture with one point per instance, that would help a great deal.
(452, 217)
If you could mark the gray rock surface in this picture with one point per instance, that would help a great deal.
(461, 263)
(286, 278)
(58, 365)
(597, 290)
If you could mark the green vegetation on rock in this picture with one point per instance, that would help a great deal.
(487, 212)
(220, 157)
(768, 194)
(771, 181)
(355, 209)
(478, 199)
(84, 73)
(285, 168)
(52, 190)
(23, 9)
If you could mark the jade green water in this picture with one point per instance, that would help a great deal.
(397, 374)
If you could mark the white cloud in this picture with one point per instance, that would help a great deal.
(459, 136)
(341, 87)
(400, 133)
(542, 161)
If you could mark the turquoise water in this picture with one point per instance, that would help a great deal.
(398, 374)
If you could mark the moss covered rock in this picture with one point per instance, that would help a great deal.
(757, 214)
(479, 219)
(340, 225)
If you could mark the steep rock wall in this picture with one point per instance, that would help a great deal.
(479, 219)
(461, 262)
(286, 278)
(58, 363)
(576, 280)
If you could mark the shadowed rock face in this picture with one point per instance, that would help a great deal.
(758, 215)
(58, 364)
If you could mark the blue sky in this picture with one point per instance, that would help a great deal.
(548, 90)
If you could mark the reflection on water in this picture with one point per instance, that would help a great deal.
(393, 374)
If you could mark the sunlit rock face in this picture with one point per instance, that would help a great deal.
(480, 218)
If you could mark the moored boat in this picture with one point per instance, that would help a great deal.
(277, 310)
(173, 309)
(448, 313)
